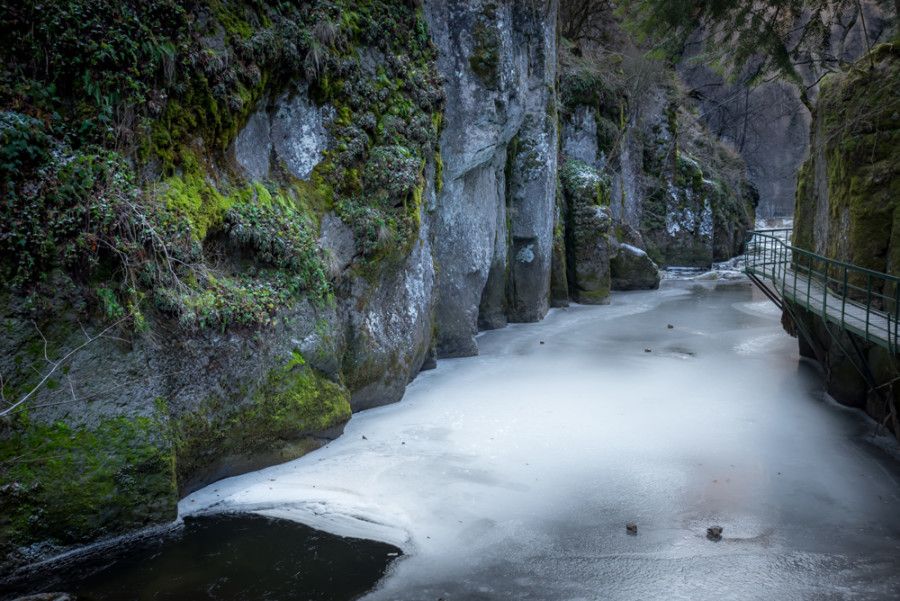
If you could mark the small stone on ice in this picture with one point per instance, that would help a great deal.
(631, 528)
(542, 342)
(670, 326)
(714, 533)
(647, 350)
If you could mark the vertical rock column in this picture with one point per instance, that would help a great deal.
(588, 226)
(498, 62)
(531, 183)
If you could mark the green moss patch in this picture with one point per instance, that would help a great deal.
(293, 402)
(856, 135)
(140, 222)
(485, 58)
(70, 485)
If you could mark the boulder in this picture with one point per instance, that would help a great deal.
(632, 269)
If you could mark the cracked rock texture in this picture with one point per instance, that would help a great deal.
(493, 226)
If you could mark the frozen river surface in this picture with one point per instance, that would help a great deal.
(511, 475)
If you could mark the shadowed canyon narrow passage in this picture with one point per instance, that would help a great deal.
(529, 459)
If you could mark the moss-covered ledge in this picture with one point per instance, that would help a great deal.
(292, 412)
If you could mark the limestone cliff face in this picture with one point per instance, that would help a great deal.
(847, 209)
(768, 123)
(677, 192)
(315, 206)
(494, 216)
(283, 268)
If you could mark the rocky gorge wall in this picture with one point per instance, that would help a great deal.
(495, 212)
(675, 191)
(255, 267)
(312, 207)
(767, 121)
(847, 209)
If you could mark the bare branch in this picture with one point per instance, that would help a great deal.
(57, 364)
(44, 338)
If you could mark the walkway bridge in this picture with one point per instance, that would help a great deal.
(846, 297)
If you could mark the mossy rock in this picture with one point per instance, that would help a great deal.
(584, 184)
(282, 419)
(70, 485)
(632, 269)
(148, 202)
(587, 227)
(854, 141)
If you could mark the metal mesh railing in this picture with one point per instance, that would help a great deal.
(860, 300)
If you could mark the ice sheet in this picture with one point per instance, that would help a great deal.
(511, 475)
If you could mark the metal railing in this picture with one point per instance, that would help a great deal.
(859, 300)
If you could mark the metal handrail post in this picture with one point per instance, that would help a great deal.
(844, 297)
(868, 302)
(796, 268)
(808, 280)
(781, 263)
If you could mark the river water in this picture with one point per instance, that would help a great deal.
(511, 475)
(226, 557)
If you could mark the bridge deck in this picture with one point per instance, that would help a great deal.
(876, 326)
(771, 257)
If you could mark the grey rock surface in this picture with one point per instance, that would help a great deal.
(768, 125)
(498, 62)
(627, 197)
(579, 136)
(632, 269)
(531, 205)
(253, 146)
(337, 242)
(469, 237)
(299, 133)
(389, 329)
(293, 127)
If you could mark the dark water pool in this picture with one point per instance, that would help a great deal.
(233, 557)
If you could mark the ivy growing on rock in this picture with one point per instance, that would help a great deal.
(117, 116)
